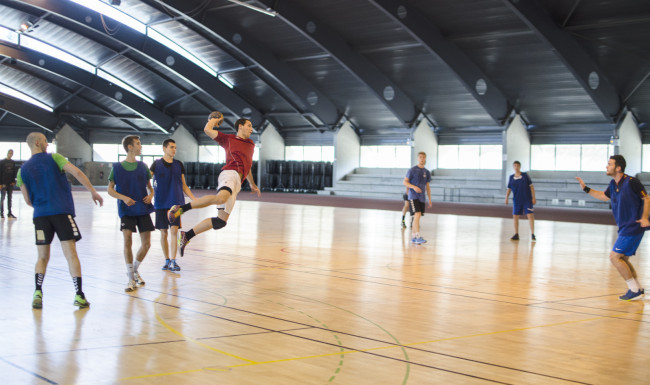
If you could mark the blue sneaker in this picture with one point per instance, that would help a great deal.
(416, 240)
(421, 240)
(631, 296)
(173, 266)
(166, 267)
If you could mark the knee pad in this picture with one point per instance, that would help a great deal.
(218, 223)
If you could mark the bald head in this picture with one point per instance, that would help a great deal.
(37, 142)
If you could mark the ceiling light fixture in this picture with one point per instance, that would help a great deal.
(267, 11)
(25, 26)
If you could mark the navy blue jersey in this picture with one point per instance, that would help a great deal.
(47, 184)
(133, 184)
(627, 204)
(521, 193)
(419, 177)
(167, 183)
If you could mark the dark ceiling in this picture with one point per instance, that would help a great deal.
(570, 68)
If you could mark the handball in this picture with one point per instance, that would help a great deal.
(215, 115)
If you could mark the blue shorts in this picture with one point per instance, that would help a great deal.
(524, 208)
(627, 244)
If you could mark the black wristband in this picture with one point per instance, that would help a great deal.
(586, 189)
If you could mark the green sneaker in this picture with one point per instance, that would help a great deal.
(37, 301)
(80, 300)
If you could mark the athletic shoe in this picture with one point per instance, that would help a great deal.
(80, 300)
(167, 263)
(11, 216)
(130, 286)
(174, 266)
(631, 296)
(173, 213)
(182, 241)
(532, 238)
(515, 237)
(422, 240)
(37, 301)
(138, 279)
(403, 225)
(416, 240)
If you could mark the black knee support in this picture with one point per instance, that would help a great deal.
(218, 223)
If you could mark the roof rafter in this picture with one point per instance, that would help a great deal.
(402, 107)
(572, 54)
(430, 37)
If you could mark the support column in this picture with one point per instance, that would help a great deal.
(347, 148)
(424, 139)
(516, 146)
(630, 144)
(271, 147)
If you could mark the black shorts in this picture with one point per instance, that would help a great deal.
(142, 222)
(416, 206)
(62, 224)
(162, 221)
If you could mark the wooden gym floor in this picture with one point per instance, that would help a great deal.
(303, 294)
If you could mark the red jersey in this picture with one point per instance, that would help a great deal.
(239, 153)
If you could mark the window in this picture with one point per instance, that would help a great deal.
(115, 153)
(212, 154)
(477, 156)
(21, 150)
(569, 157)
(309, 153)
(385, 156)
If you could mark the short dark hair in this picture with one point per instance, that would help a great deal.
(128, 141)
(516, 162)
(240, 122)
(619, 161)
(167, 141)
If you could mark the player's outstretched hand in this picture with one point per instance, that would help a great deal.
(98, 198)
(256, 190)
(582, 183)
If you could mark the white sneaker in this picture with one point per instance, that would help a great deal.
(138, 279)
(130, 286)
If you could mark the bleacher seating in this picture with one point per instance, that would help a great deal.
(297, 176)
(559, 189)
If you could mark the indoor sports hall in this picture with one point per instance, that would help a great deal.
(432, 192)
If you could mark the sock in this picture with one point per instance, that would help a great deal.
(129, 271)
(77, 285)
(633, 285)
(186, 207)
(190, 234)
(39, 281)
(136, 264)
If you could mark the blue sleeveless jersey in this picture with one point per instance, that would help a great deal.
(627, 204)
(48, 186)
(168, 185)
(133, 184)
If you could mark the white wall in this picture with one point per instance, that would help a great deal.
(630, 146)
(347, 147)
(424, 139)
(517, 145)
(71, 145)
(187, 148)
(271, 148)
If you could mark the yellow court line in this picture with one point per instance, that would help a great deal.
(171, 329)
(253, 363)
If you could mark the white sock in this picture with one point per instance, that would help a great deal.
(136, 264)
(417, 235)
(633, 285)
(129, 271)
